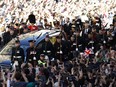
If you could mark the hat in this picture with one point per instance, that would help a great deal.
(17, 41)
(42, 55)
(31, 41)
(58, 37)
(47, 36)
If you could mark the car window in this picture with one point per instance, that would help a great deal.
(7, 50)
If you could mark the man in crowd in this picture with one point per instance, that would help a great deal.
(67, 27)
(42, 61)
(31, 53)
(47, 48)
(5, 36)
(32, 18)
(61, 49)
(17, 54)
(72, 44)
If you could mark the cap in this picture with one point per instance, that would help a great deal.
(47, 36)
(31, 41)
(58, 37)
(42, 55)
(17, 41)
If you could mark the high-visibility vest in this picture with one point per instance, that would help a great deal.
(40, 62)
(53, 40)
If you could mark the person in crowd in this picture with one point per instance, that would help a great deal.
(67, 26)
(86, 30)
(79, 23)
(17, 54)
(6, 36)
(47, 47)
(32, 18)
(42, 61)
(31, 53)
(16, 79)
(60, 49)
(23, 28)
(29, 71)
(2, 78)
(32, 27)
(72, 44)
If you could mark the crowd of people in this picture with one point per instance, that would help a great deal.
(83, 55)
(16, 11)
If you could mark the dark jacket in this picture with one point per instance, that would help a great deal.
(17, 53)
(32, 18)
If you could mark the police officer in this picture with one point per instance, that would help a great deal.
(42, 61)
(47, 47)
(31, 55)
(17, 54)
